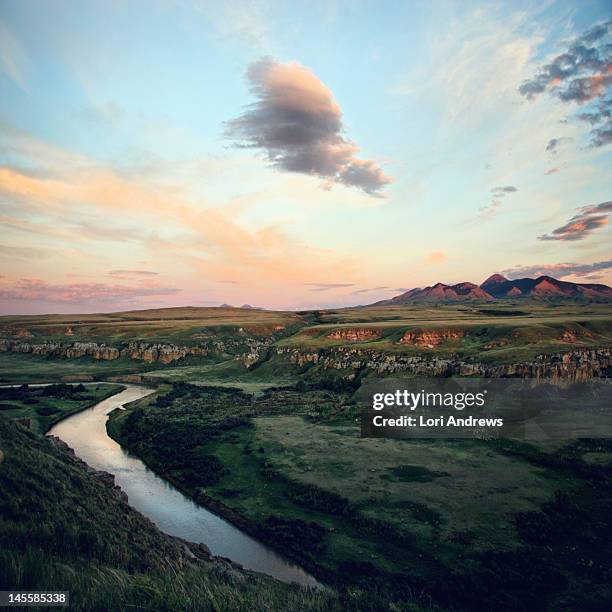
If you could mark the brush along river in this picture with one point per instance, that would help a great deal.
(166, 506)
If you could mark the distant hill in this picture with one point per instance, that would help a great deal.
(499, 287)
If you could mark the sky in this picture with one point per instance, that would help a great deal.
(296, 155)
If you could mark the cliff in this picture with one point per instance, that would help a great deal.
(582, 364)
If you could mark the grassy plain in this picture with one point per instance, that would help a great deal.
(505, 331)
(501, 334)
(176, 325)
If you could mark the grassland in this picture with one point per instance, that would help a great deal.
(501, 334)
(42, 407)
(176, 325)
(24, 368)
(457, 520)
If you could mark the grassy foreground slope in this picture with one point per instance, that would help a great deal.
(64, 528)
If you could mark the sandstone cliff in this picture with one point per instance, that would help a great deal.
(582, 364)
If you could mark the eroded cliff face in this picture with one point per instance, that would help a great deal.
(355, 334)
(247, 349)
(430, 338)
(574, 365)
(582, 364)
(142, 351)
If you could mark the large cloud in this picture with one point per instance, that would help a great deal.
(583, 224)
(560, 270)
(298, 124)
(582, 73)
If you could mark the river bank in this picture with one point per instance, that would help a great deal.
(159, 500)
(219, 508)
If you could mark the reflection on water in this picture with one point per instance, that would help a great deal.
(168, 508)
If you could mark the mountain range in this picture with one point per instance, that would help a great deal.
(498, 287)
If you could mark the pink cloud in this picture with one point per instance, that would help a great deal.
(27, 289)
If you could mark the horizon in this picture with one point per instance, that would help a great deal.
(169, 153)
(247, 306)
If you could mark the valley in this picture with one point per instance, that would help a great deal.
(254, 416)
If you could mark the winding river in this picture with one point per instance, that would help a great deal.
(166, 506)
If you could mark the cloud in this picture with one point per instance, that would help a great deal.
(436, 257)
(554, 143)
(595, 116)
(584, 54)
(583, 224)
(497, 194)
(328, 286)
(369, 290)
(601, 136)
(553, 170)
(586, 89)
(500, 192)
(560, 270)
(579, 75)
(12, 55)
(30, 290)
(27, 253)
(297, 122)
(131, 273)
(204, 241)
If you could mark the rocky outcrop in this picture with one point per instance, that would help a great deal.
(164, 353)
(430, 338)
(142, 351)
(573, 336)
(582, 364)
(15, 332)
(72, 350)
(355, 334)
(247, 349)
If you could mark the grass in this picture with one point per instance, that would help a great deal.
(228, 373)
(456, 520)
(490, 338)
(503, 332)
(24, 368)
(42, 408)
(176, 325)
(62, 528)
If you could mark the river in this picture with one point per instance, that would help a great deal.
(157, 499)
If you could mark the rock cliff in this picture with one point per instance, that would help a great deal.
(582, 364)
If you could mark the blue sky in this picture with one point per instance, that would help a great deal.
(141, 163)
